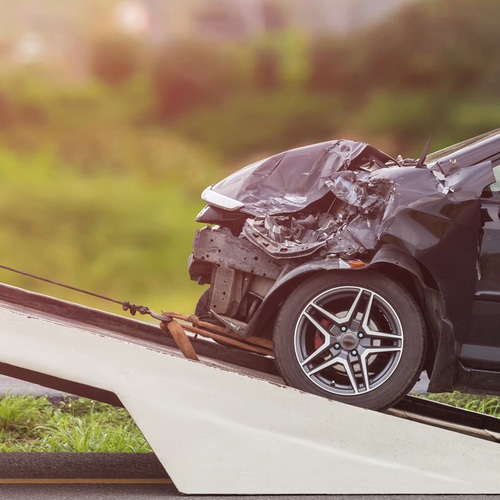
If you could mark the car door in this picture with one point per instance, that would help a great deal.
(481, 345)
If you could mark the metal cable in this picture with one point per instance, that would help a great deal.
(126, 305)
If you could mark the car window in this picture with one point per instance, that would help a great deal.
(496, 185)
(493, 190)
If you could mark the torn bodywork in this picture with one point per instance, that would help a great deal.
(345, 205)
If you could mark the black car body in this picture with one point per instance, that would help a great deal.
(363, 269)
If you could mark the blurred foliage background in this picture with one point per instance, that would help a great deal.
(116, 114)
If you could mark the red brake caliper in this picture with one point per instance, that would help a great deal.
(318, 338)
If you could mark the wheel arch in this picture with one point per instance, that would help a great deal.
(388, 260)
(420, 284)
(262, 322)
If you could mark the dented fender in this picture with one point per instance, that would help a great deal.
(291, 277)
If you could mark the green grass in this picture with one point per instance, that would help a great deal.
(35, 424)
(481, 403)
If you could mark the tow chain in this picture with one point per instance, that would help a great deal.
(169, 325)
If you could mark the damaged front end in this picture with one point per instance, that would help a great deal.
(332, 205)
(276, 215)
(345, 229)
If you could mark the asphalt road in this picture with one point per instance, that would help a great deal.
(124, 476)
(100, 492)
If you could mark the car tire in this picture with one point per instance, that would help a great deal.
(354, 336)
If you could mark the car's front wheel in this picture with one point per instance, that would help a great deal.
(354, 336)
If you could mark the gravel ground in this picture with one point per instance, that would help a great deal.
(9, 385)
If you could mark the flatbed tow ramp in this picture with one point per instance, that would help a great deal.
(226, 423)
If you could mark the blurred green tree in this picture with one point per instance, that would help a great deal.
(188, 74)
(330, 62)
(434, 44)
(114, 60)
(267, 69)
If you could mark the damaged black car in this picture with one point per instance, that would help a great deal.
(363, 269)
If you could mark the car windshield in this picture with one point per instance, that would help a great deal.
(450, 151)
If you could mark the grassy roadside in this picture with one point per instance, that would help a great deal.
(480, 403)
(36, 424)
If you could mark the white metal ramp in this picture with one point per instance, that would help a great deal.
(222, 428)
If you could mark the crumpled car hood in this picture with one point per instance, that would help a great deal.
(375, 197)
(290, 181)
(412, 205)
